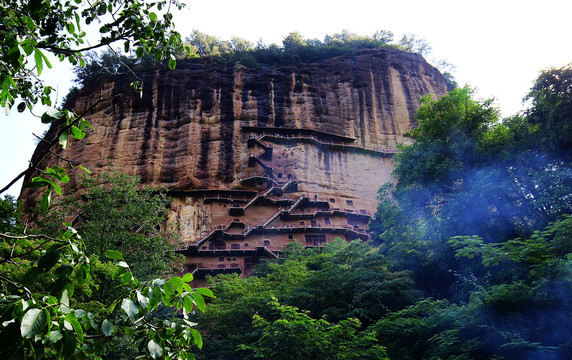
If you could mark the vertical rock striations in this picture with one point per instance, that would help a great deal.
(257, 158)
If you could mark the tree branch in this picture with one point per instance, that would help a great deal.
(46, 151)
(17, 286)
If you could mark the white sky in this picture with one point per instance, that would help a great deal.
(497, 46)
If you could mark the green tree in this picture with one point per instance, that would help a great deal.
(44, 315)
(383, 36)
(207, 45)
(110, 63)
(351, 280)
(480, 215)
(227, 322)
(295, 335)
(448, 139)
(433, 329)
(527, 281)
(9, 214)
(344, 280)
(467, 173)
(117, 213)
(551, 110)
(415, 44)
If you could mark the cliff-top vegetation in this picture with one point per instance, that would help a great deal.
(295, 49)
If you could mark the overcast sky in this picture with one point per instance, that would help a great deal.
(498, 46)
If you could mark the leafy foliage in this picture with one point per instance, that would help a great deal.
(551, 109)
(415, 44)
(343, 281)
(9, 213)
(42, 319)
(514, 310)
(112, 62)
(237, 51)
(295, 335)
(482, 207)
(59, 28)
(465, 174)
(116, 213)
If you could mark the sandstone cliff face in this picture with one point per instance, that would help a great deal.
(329, 128)
(185, 132)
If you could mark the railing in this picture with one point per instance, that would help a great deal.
(266, 195)
(277, 137)
(228, 198)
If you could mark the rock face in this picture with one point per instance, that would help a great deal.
(247, 152)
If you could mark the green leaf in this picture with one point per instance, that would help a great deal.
(54, 336)
(39, 60)
(153, 16)
(68, 326)
(51, 114)
(177, 283)
(82, 274)
(70, 343)
(154, 298)
(69, 346)
(33, 322)
(76, 326)
(46, 200)
(126, 278)
(107, 327)
(197, 338)
(70, 27)
(172, 63)
(63, 140)
(199, 301)
(143, 300)
(139, 52)
(169, 293)
(57, 189)
(30, 276)
(128, 330)
(188, 277)
(155, 350)
(205, 292)
(48, 64)
(188, 302)
(65, 298)
(114, 254)
(77, 17)
(77, 133)
(38, 182)
(50, 258)
(118, 272)
(129, 307)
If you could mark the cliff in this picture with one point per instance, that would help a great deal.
(328, 129)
